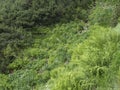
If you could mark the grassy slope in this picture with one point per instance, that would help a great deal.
(67, 57)
(51, 49)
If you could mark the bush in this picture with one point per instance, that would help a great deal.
(51, 51)
(94, 63)
(103, 14)
(11, 41)
(28, 13)
(4, 82)
(23, 80)
(19, 17)
(98, 56)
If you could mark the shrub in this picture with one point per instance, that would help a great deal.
(11, 41)
(98, 56)
(28, 13)
(103, 14)
(94, 63)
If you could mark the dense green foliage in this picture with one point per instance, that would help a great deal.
(28, 13)
(105, 13)
(19, 17)
(59, 45)
(11, 41)
(94, 63)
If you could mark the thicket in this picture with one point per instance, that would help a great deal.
(19, 18)
(94, 63)
(28, 13)
(105, 13)
(34, 65)
(59, 45)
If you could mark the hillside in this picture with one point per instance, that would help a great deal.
(55, 45)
